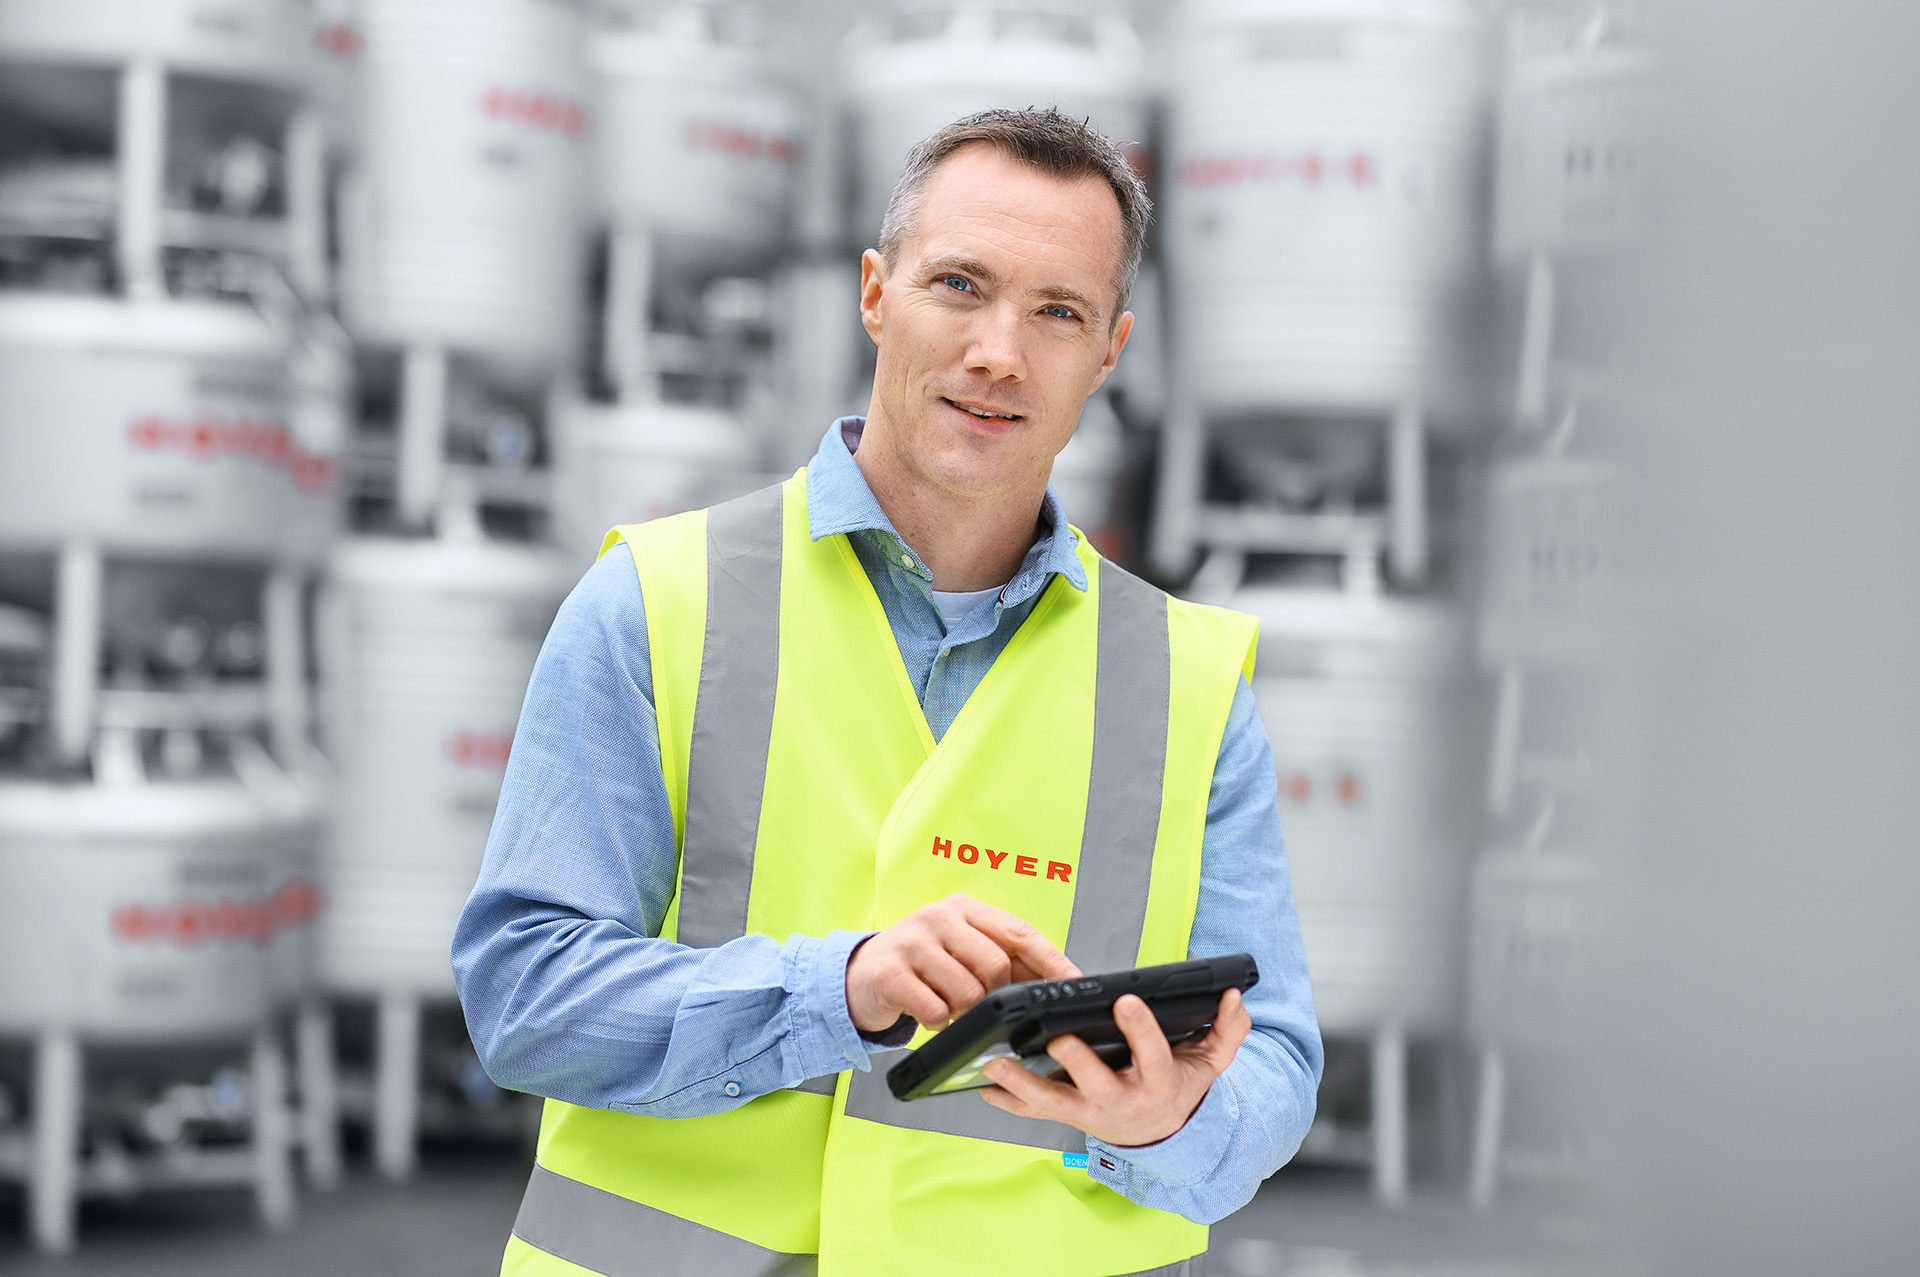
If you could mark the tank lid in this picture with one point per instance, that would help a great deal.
(159, 327)
(156, 809)
(480, 567)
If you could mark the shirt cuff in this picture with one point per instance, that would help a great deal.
(823, 1033)
(1188, 1157)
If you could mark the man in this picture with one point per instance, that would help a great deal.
(831, 761)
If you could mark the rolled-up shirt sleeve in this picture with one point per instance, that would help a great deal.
(567, 988)
(1257, 1112)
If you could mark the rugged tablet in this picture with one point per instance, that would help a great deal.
(1019, 1020)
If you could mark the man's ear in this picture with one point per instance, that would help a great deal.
(873, 279)
(1115, 344)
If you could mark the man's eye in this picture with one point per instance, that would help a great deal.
(959, 283)
(1061, 312)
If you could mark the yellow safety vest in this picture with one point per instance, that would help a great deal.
(808, 795)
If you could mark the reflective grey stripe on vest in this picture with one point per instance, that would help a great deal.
(732, 718)
(1133, 679)
(618, 1237)
(822, 1085)
(1132, 686)
(1194, 1267)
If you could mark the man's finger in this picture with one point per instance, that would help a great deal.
(1091, 1075)
(1055, 1101)
(1151, 1054)
(1021, 939)
(906, 990)
(991, 965)
(1231, 1024)
(948, 977)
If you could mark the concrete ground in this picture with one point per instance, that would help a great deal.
(452, 1219)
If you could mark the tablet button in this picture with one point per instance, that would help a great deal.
(1089, 986)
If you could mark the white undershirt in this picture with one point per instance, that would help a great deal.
(954, 605)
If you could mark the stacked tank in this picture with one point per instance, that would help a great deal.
(1571, 151)
(463, 171)
(168, 480)
(1323, 224)
(1325, 275)
(698, 152)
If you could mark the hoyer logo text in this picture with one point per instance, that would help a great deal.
(968, 854)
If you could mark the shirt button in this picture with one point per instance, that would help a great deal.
(733, 1089)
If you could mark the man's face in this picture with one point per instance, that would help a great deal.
(996, 322)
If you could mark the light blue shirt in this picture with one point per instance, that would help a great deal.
(569, 992)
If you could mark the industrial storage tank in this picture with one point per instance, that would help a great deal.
(162, 425)
(698, 141)
(134, 911)
(913, 71)
(1572, 140)
(427, 648)
(1551, 589)
(1369, 701)
(460, 217)
(630, 462)
(250, 39)
(1323, 207)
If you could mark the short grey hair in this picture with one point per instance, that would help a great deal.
(1056, 144)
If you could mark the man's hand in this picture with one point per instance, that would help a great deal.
(1143, 1103)
(938, 961)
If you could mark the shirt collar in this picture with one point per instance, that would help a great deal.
(839, 501)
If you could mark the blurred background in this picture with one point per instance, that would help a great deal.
(1544, 375)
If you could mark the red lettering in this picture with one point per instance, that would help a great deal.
(943, 846)
(968, 853)
(995, 857)
(132, 922)
(1026, 865)
(1056, 869)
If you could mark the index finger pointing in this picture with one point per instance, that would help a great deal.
(1021, 939)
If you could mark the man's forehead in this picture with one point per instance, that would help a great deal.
(986, 207)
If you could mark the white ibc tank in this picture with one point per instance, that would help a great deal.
(264, 40)
(1552, 573)
(1369, 703)
(1535, 956)
(697, 142)
(153, 425)
(428, 648)
(928, 64)
(461, 219)
(137, 910)
(627, 463)
(1572, 124)
(1322, 209)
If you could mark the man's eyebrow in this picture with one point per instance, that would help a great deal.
(1051, 293)
(963, 265)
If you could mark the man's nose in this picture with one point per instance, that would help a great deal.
(994, 344)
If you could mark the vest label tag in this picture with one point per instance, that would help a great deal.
(1074, 1159)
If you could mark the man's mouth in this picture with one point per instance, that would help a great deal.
(984, 414)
